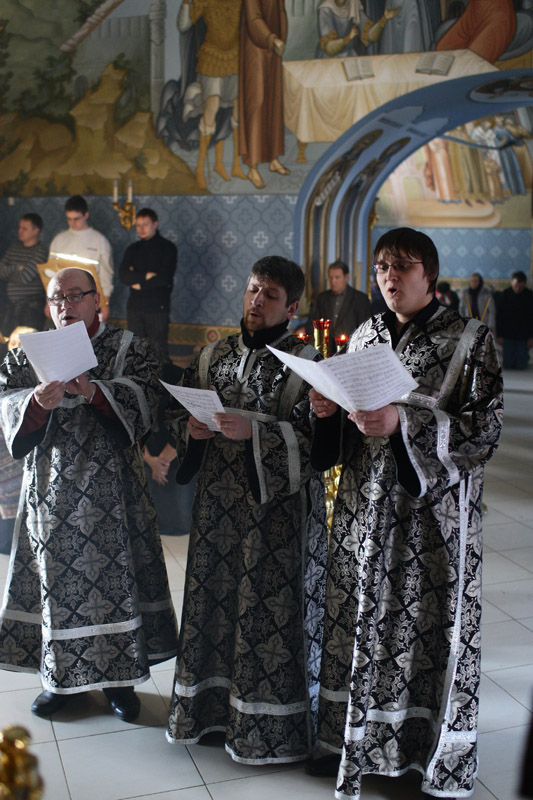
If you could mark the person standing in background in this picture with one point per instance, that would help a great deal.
(345, 306)
(18, 269)
(83, 241)
(148, 268)
(477, 302)
(514, 322)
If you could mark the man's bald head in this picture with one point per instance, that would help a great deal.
(72, 297)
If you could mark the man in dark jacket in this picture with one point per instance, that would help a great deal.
(514, 322)
(345, 306)
(148, 268)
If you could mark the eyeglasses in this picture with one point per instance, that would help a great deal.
(71, 299)
(402, 266)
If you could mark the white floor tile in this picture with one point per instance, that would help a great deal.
(176, 545)
(507, 536)
(196, 793)
(214, 764)
(490, 613)
(514, 598)
(497, 709)
(164, 666)
(13, 681)
(500, 760)
(15, 710)
(127, 764)
(494, 517)
(517, 682)
(293, 783)
(90, 714)
(51, 771)
(4, 564)
(499, 569)
(519, 511)
(521, 555)
(177, 600)
(164, 680)
(505, 644)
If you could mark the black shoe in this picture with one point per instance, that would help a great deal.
(48, 703)
(325, 767)
(124, 702)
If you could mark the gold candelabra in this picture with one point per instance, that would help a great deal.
(331, 476)
(19, 777)
(321, 332)
(126, 211)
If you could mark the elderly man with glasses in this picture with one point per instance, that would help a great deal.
(401, 653)
(87, 603)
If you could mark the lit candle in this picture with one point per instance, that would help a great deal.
(130, 191)
(303, 336)
(321, 324)
(341, 340)
(115, 191)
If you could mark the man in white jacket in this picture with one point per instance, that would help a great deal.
(82, 241)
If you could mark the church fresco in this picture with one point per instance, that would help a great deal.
(112, 90)
(478, 175)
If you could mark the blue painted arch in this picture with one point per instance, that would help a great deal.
(340, 190)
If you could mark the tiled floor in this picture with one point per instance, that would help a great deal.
(87, 754)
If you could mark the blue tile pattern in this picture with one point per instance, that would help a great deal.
(219, 238)
(493, 252)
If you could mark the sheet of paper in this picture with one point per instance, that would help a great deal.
(364, 380)
(311, 372)
(201, 403)
(61, 354)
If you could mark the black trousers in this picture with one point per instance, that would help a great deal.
(151, 325)
(29, 313)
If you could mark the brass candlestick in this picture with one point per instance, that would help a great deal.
(331, 476)
(19, 777)
(321, 331)
(126, 214)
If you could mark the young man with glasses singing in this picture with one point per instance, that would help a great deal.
(401, 659)
(87, 547)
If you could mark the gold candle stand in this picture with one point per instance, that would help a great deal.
(332, 476)
(19, 777)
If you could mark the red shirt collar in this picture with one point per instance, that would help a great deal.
(93, 327)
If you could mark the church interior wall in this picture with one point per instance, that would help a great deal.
(221, 231)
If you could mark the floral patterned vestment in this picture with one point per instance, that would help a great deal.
(249, 653)
(400, 666)
(87, 602)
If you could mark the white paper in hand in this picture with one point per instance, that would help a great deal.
(61, 354)
(364, 380)
(201, 403)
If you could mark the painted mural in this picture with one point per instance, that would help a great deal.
(201, 98)
(477, 176)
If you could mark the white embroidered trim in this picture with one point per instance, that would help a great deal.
(338, 696)
(445, 710)
(245, 708)
(293, 455)
(91, 630)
